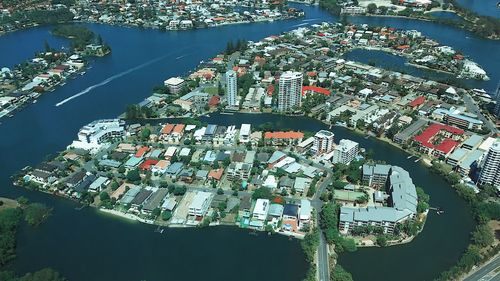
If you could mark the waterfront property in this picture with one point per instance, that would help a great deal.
(400, 197)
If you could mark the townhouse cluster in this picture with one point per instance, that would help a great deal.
(394, 202)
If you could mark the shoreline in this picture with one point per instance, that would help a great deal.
(34, 96)
(264, 20)
(433, 20)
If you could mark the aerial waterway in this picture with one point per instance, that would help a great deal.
(86, 245)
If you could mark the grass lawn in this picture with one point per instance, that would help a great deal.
(212, 90)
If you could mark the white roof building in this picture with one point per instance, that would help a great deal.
(94, 135)
(200, 203)
(261, 209)
(245, 132)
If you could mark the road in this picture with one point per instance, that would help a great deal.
(323, 264)
(472, 107)
(489, 271)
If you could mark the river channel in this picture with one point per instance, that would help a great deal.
(87, 245)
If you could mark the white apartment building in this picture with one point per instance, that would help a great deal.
(231, 88)
(290, 91)
(261, 209)
(174, 84)
(93, 135)
(245, 132)
(345, 152)
(323, 142)
(200, 204)
(490, 171)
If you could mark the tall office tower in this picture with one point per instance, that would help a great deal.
(290, 91)
(497, 97)
(490, 171)
(232, 88)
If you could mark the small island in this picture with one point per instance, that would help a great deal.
(29, 80)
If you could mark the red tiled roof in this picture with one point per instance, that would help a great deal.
(167, 129)
(446, 145)
(270, 90)
(214, 101)
(403, 47)
(216, 174)
(283, 135)
(418, 101)
(142, 151)
(179, 128)
(315, 89)
(146, 165)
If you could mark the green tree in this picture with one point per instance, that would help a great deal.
(179, 190)
(340, 274)
(36, 213)
(145, 133)
(483, 235)
(166, 215)
(310, 244)
(104, 196)
(262, 193)
(382, 240)
(371, 8)
(133, 175)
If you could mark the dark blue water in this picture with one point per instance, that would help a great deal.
(16, 47)
(446, 15)
(482, 7)
(85, 246)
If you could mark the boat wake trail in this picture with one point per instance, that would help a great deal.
(87, 90)
(300, 24)
(311, 19)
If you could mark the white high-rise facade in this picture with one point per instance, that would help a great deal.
(345, 152)
(490, 171)
(232, 88)
(290, 91)
(497, 107)
(323, 142)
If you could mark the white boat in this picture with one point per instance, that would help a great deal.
(34, 101)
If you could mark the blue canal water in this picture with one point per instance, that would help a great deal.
(482, 7)
(446, 15)
(86, 245)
